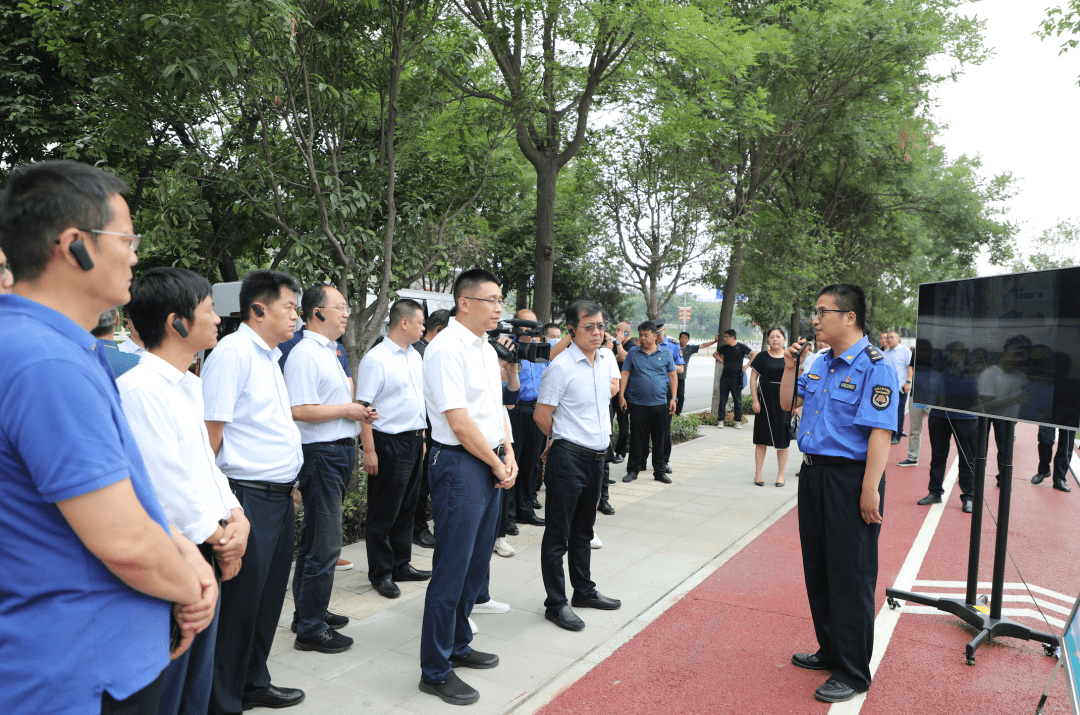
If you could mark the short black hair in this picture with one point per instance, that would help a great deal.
(106, 324)
(776, 327)
(404, 308)
(647, 327)
(262, 285)
(684, 333)
(40, 200)
(470, 279)
(575, 311)
(731, 332)
(159, 293)
(850, 298)
(437, 320)
(550, 325)
(314, 297)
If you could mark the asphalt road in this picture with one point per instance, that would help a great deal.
(699, 383)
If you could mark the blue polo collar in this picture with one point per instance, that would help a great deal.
(65, 326)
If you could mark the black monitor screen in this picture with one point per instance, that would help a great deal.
(1004, 346)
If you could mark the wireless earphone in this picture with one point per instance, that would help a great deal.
(82, 256)
(319, 315)
(258, 309)
(179, 325)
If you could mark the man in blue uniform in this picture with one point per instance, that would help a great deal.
(847, 422)
(680, 366)
(528, 440)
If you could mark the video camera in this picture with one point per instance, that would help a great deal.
(519, 351)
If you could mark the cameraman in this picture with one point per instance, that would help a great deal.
(528, 439)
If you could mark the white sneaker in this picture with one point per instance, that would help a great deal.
(738, 425)
(491, 606)
(503, 547)
(472, 625)
(596, 543)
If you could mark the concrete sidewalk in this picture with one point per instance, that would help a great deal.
(662, 540)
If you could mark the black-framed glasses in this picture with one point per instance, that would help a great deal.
(136, 238)
(820, 312)
(3, 271)
(497, 302)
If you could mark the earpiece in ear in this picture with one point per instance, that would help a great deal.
(82, 256)
(179, 326)
(319, 315)
(258, 309)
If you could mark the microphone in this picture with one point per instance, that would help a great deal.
(809, 340)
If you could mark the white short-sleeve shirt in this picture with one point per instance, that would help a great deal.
(581, 395)
(391, 379)
(461, 370)
(314, 376)
(244, 388)
(164, 408)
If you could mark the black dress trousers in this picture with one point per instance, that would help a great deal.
(573, 488)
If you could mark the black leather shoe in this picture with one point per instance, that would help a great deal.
(452, 690)
(808, 661)
(536, 504)
(276, 697)
(895, 440)
(533, 520)
(410, 573)
(609, 481)
(601, 602)
(929, 499)
(965, 505)
(833, 691)
(563, 617)
(329, 641)
(1062, 487)
(667, 469)
(475, 659)
(424, 539)
(1038, 478)
(387, 588)
(334, 620)
(605, 508)
(630, 476)
(661, 477)
(619, 458)
(512, 529)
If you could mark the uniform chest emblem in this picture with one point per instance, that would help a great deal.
(847, 384)
(882, 397)
(812, 376)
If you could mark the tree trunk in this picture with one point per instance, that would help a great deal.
(521, 299)
(796, 323)
(547, 173)
(727, 308)
(228, 269)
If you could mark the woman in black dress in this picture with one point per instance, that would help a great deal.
(770, 422)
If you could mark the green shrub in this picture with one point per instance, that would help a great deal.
(684, 428)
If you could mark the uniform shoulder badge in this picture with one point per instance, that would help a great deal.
(873, 353)
(882, 397)
(812, 376)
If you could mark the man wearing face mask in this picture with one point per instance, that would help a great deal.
(528, 440)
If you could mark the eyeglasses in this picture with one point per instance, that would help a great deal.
(820, 312)
(594, 328)
(345, 310)
(3, 270)
(136, 238)
(497, 302)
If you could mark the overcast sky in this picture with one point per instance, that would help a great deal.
(1019, 111)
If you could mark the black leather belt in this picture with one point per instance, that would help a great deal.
(531, 403)
(499, 451)
(578, 449)
(344, 442)
(264, 486)
(816, 461)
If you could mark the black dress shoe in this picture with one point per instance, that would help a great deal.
(619, 458)
(452, 690)
(563, 617)
(808, 661)
(929, 499)
(410, 573)
(601, 602)
(475, 659)
(630, 476)
(334, 620)
(833, 691)
(387, 588)
(667, 469)
(536, 504)
(276, 697)
(895, 440)
(329, 641)
(965, 505)
(1038, 478)
(1062, 487)
(512, 529)
(609, 481)
(533, 520)
(605, 508)
(424, 538)
(661, 477)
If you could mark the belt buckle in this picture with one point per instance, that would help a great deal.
(806, 459)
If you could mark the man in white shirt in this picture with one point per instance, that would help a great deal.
(322, 406)
(134, 343)
(164, 406)
(899, 357)
(391, 379)
(471, 458)
(575, 395)
(249, 421)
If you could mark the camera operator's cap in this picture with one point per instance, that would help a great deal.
(658, 325)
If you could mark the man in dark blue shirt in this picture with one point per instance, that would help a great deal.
(952, 388)
(648, 401)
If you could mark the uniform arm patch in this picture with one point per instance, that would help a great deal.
(882, 397)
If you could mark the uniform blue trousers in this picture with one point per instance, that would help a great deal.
(467, 507)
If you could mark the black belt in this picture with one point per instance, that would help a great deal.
(578, 449)
(816, 461)
(344, 442)
(531, 403)
(406, 433)
(499, 451)
(264, 486)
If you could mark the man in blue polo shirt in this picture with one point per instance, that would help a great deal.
(528, 440)
(90, 572)
(648, 401)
